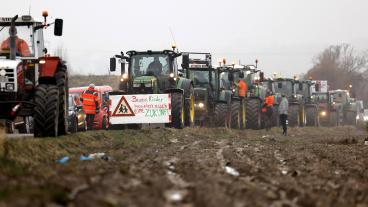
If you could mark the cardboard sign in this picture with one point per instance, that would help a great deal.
(140, 109)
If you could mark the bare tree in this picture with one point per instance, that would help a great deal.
(342, 66)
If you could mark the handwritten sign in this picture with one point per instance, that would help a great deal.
(140, 109)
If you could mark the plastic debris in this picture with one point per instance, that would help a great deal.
(63, 160)
(231, 171)
(85, 158)
(99, 155)
(366, 141)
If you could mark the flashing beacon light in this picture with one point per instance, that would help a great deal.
(173, 46)
(45, 14)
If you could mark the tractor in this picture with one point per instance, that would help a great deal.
(156, 72)
(228, 101)
(311, 116)
(287, 86)
(328, 110)
(33, 84)
(349, 107)
(202, 75)
(255, 97)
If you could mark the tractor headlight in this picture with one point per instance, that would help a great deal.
(124, 77)
(10, 86)
(172, 75)
(201, 105)
(365, 118)
(2, 72)
(357, 117)
(323, 113)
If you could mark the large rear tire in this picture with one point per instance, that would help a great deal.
(236, 118)
(220, 113)
(311, 114)
(189, 108)
(46, 111)
(177, 110)
(254, 114)
(62, 83)
(293, 117)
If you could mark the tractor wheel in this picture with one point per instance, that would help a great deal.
(275, 122)
(46, 111)
(177, 110)
(62, 83)
(9, 126)
(334, 119)
(254, 114)
(311, 114)
(236, 120)
(293, 117)
(189, 109)
(73, 125)
(219, 119)
(350, 118)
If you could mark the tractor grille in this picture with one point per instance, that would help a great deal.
(8, 80)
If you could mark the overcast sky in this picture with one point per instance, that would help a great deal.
(284, 35)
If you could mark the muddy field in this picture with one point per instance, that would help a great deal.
(190, 167)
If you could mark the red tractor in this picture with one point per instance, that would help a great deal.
(33, 84)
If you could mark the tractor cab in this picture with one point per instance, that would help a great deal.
(148, 71)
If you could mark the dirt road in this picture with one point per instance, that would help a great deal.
(190, 167)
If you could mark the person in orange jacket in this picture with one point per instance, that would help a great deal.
(20, 45)
(242, 93)
(267, 109)
(90, 102)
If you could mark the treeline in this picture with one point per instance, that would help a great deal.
(85, 80)
(344, 68)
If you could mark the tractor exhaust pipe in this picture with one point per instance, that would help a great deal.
(13, 39)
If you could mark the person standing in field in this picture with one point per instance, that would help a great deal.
(90, 102)
(283, 111)
(267, 109)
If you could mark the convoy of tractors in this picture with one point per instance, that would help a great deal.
(35, 98)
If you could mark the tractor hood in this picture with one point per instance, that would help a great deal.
(8, 64)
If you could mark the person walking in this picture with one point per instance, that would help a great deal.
(283, 111)
(267, 109)
(90, 102)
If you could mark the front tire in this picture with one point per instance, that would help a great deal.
(62, 83)
(189, 108)
(311, 114)
(254, 114)
(46, 111)
(236, 118)
(294, 116)
(220, 115)
(177, 110)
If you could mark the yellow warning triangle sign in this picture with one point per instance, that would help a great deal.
(123, 108)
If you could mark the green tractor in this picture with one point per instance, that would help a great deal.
(202, 75)
(156, 72)
(330, 112)
(287, 86)
(255, 97)
(310, 111)
(228, 101)
(349, 107)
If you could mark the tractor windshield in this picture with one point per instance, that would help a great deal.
(200, 77)
(23, 43)
(150, 65)
(321, 97)
(339, 97)
(284, 87)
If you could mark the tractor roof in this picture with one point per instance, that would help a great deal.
(150, 52)
(21, 21)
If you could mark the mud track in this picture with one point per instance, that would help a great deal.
(190, 167)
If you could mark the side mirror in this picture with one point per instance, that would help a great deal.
(261, 76)
(112, 64)
(58, 29)
(230, 77)
(185, 61)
